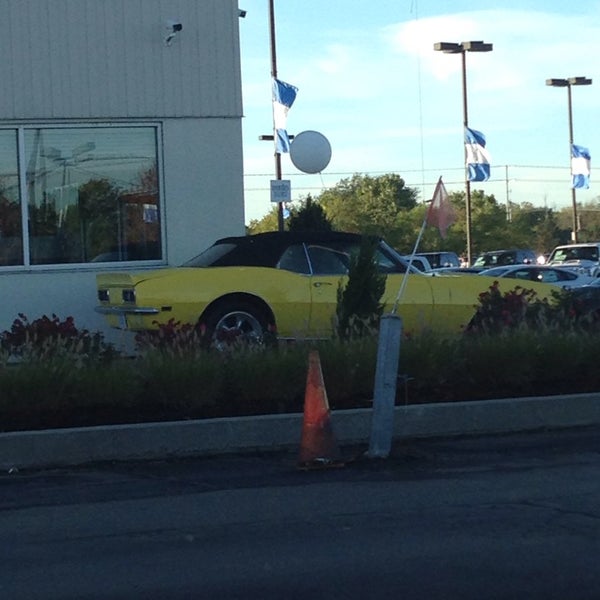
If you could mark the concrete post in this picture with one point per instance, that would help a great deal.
(386, 379)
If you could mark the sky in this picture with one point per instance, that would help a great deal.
(369, 80)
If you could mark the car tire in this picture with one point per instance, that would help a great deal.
(235, 323)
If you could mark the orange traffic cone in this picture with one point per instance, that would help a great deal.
(318, 448)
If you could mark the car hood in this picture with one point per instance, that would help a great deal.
(582, 262)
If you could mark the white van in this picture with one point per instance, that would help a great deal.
(584, 258)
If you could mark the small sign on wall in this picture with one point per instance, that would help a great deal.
(281, 190)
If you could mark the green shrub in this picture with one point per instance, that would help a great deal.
(359, 306)
(51, 393)
(178, 378)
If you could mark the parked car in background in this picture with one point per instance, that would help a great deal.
(457, 271)
(439, 260)
(283, 284)
(498, 258)
(561, 276)
(584, 257)
(420, 262)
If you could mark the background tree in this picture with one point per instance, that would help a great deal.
(488, 223)
(384, 206)
(589, 221)
(371, 205)
(270, 222)
(547, 233)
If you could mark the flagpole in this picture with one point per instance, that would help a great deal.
(390, 334)
(410, 262)
(386, 370)
(386, 373)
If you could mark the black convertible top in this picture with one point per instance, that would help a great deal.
(285, 238)
(264, 249)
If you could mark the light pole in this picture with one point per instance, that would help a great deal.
(273, 48)
(273, 137)
(568, 83)
(462, 49)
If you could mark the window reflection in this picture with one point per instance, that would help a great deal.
(92, 194)
(11, 230)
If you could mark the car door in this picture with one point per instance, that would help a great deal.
(290, 296)
(410, 296)
(454, 299)
(415, 300)
(329, 270)
(330, 266)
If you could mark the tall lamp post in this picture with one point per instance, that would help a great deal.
(273, 48)
(462, 49)
(568, 83)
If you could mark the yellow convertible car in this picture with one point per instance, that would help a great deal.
(285, 283)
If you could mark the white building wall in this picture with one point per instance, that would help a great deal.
(89, 61)
(203, 201)
(94, 59)
(64, 293)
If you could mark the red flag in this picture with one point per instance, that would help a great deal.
(440, 213)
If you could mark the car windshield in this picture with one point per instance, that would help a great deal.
(438, 260)
(211, 256)
(575, 253)
(391, 261)
(491, 259)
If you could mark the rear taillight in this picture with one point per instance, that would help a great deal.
(129, 296)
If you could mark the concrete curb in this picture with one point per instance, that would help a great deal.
(76, 446)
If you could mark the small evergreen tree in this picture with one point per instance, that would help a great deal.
(359, 304)
(309, 217)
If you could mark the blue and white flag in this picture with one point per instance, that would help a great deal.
(477, 158)
(284, 95)
(580, 166)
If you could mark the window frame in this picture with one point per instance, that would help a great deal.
(27, 266)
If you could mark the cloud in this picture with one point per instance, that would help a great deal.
(344, 70)
(527, 45)
(338, 60)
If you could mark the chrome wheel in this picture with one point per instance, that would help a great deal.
(237, 328)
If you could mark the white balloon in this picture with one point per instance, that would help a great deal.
(310, 151)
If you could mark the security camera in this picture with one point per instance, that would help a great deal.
(242, 13)
(175, 27)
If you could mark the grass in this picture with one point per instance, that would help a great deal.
(63, 390)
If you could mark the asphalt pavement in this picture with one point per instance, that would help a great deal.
(504, 516)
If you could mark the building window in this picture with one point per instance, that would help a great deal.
(92, 195)
(11, 223)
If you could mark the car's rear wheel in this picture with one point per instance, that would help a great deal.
(236, 323)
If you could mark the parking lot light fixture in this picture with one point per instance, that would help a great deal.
(462, 49)
(568, 83)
